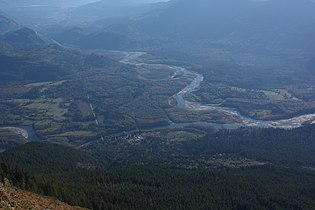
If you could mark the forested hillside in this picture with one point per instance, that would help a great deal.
(184, 104)
(240, 169)
(164, 188)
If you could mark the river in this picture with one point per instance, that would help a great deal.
(182, 103)
(29, 133)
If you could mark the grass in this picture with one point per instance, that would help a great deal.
(43, 123)
(44, 85)
(49, 108)
(273, 96)
(279, 95)
(85, 109)
(38, 84)
(78, 134)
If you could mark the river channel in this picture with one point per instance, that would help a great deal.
(182, 103)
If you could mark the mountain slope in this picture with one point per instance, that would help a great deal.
(47, 64)
(232, 24)
(23, 38)
(14, 198)
(9, 139)
(47, 158)
(110, 9)
(239, 25)
(24, 56)
(99, 40)
(7, 25)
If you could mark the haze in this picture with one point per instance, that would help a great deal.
(180, 104)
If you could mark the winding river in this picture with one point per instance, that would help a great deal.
(182, 103)
(130, 58)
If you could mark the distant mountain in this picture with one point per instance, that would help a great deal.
(15, 37)
(247, 26)
(115, 3)
(23, 38)
(34, 3)
(109, 9)
(310, 66)
(7, 25)
(35, 13)
(49, 63)
(93, 40)
(235, 23)
(24, 56)
(23, 35)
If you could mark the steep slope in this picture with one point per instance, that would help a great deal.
(14, 198)
(167, 184)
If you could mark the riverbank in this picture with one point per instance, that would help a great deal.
(182, 103)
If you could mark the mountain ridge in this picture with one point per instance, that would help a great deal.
(7, 25)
